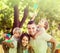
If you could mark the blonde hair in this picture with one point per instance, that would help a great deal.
(17, 29)
(46, 25)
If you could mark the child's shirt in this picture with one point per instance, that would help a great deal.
(14, 41)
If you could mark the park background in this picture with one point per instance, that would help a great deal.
(17, 13)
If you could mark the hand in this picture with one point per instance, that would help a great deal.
(33, 15)
(4, 43)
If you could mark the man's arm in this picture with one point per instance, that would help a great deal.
(53, 41)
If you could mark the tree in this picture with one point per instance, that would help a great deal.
(18, 23)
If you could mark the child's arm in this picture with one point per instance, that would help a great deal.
(33, 16)
(8, 44)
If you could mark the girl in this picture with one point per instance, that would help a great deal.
(23, 44)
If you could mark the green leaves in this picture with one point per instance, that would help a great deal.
(49, 9)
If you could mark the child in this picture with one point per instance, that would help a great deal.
(23, 44)
(43, 26)
(15, 37)
(43, 23)
(13, 43)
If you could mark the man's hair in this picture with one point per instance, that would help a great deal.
(31, 22)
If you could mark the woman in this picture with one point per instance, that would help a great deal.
(23, 44)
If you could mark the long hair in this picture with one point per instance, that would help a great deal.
(25, 34)
(19, 45)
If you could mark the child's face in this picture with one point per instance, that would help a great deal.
(24, 41)
(41, 23)
(17, 34)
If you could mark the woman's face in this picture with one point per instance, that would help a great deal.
(25, 41)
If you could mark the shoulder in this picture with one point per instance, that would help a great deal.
(30, 47)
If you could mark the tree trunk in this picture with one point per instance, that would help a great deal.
(24, 17)
(18, 23)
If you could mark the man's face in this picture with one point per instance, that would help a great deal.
(31, 29)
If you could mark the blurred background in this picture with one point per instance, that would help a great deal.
(12, 11)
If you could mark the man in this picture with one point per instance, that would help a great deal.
(39, 39)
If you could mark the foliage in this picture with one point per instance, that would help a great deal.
(49, 9)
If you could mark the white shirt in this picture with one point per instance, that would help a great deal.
(40, 43)
(14, 41)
